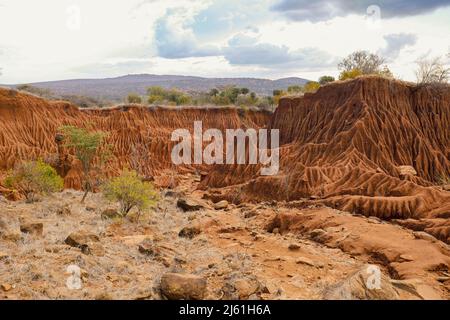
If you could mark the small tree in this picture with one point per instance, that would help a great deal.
(130, 191)
(367, 63)
(432, 71)
(34, 178)
(86, 146)
(134, 98)
(326, 79)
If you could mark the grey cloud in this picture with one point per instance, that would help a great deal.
(244, 50)
(320, 10)
(396, 42)
(172, 45)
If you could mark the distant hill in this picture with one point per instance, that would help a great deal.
(117, 88)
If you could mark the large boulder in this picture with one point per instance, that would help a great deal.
(177, 286)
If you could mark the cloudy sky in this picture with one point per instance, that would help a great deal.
(64, 39)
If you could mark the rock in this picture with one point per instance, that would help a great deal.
(250, 214)
(189, 232)
(189, 204)
(446, 187)
(31, 227)
(90, 209)
(221, 205)
(239, 287)
(110, 214)
(303, 260)
(318, 235)
(276, 231)
(293, 247)
(424, 236)
(64, 210)
(6, 286)
(405, 258)
(417, 288)
(93, 248)
(177, 286)
(365, 284)
(81, 239)
(440, 279)
(148, 248)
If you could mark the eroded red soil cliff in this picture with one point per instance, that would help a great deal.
(353, 146)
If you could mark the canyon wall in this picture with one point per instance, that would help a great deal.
(371, 145)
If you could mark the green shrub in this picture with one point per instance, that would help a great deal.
(130, 191)
(34, 178)
(86, 146)
(311, 86)
(352, 74)
(134, 98)
(326, 79)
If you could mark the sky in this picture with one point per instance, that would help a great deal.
(67, 39)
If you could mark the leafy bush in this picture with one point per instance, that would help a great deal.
(134, 98)
(130, 191)
(34, 178)
(311, 86)
(326, 79)
(169, 96)
(352, 74)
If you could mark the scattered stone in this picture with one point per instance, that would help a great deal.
(303, 260)
(81, 239)
(405, 258)
(110, 214)
(64, 210)
(3, 255)
(446, 187)
(239, 287)
(90, 209)
(189, 204)
(360, 286)
(177, 286)
(443, 279)
(34, 228)
(189, 232)
(6, 287)
(93, 248)
(148, 248)
(250, 214)
(221, 205)
(424, 236)
(293, 247)
(318, 235)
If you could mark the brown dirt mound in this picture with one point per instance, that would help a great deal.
(355, 146)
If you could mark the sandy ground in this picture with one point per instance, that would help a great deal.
(234, 245)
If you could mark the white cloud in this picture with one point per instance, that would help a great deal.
(201, 37)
